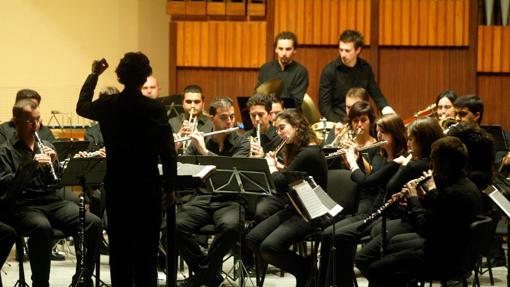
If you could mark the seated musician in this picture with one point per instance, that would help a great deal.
(263, 139)
(443, 223)
(8, 129)
(347, 233)
(36, 207)
(444, 105)
(469, 108)
(218, 209)
(193, 105)
(273, 236)
(353, 96)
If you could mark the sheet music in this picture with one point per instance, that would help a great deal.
(316, 201)
(498, 198)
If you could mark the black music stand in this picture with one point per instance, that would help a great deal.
(239, 176)
(85, 172)
(504, 204)
(66, 149)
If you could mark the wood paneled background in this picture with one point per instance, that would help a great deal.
(418, 48)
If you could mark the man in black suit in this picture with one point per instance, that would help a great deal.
(133, 184)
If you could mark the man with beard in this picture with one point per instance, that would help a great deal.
(293, 74)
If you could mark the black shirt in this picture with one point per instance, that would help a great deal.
(95, 137)
(294, 77)
(34, 187)
(234, 145)
(337, 79)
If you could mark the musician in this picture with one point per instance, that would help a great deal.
(469, 108)
(420, 135)
(353, 96)
(276, 106)
(345, 72)
(273, 236)
(390, 128)
(192, 103)
(151, 87)
(8, 129)
(134, 218)
(443, 223)
(444, 105)
(36, 207)
(293, 74)
(203, 208)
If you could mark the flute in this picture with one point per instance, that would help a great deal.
(209, 134)
(40, 145)
(342, 151)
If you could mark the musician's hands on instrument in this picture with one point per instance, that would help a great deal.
(197, 139)
(99, 66)
(403, 160)
(42, 159)
(185, 129)
(272, 162)
(49, 152)
(351, 155)
(429, 184)
(256, 150)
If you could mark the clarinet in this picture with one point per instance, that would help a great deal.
(40, 145)
(81, 242)
(397, 197)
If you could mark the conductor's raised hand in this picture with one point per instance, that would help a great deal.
(99, 66)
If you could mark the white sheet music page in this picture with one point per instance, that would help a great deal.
(310, 200)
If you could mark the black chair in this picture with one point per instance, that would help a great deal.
(478, 238)
(343, 190)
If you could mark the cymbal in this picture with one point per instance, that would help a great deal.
(270, 86)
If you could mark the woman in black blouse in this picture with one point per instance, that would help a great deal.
(273, 236)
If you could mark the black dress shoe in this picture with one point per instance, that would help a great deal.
(192, 281)
(55, 256)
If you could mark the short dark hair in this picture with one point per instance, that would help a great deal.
(357, 93)
(362, 108)
(425, 131)
(28, 94)
(449, 94)
(19, 106)
(351, 36)
(448, 158)
(286, 35)
(220, 102)
(193, 89)
(133, 69)
(260, 99)
(473, 102)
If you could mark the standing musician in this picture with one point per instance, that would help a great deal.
(27, 170)
(442, 223)
(273, 236)
(390, 128)
(345, 72)
(293, 74)
(193, 105)
(132, 180)
(218, 209)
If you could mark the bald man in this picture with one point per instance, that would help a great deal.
(151, 88)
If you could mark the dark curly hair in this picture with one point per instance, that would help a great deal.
(304, 133)
(133, 69)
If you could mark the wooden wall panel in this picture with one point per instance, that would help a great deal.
(424, 22)
(219, 82)
(494, 89)
(221, 44)
(493, 49)
(319, 22)
(411, 78)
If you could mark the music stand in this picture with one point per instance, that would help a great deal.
(502, 202)
(173, 104)
(85, 172)
(500, 143)
(66, 149)
(240, 176)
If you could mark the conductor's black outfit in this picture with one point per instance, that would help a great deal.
(133, 184)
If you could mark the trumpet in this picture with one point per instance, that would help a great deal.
(192, 122)
(209, 134)
(40, 145)
(255, 141)
(341, 151)
(346, 134)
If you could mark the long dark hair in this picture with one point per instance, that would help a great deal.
(425, 131)
(394, 125)
(304, 133)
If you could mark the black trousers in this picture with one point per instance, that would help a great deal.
(7, 239)
(273, 237)
(37, 222)
(221, 211)
(134, 221)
